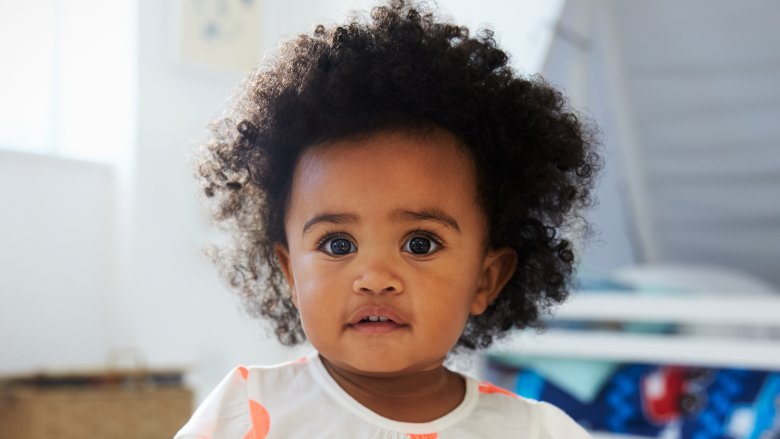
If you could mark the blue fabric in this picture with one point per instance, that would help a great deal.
(685, 402)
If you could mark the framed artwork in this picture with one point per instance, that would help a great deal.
(218, 35)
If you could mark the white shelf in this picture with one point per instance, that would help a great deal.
(651, 348)
(742, 310)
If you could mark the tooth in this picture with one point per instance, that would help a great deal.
(373, 318)
(383, 319)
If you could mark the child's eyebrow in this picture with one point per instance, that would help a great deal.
(430, 214)
(333, 218)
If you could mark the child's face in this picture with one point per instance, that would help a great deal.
(388, 226)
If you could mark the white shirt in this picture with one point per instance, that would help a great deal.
(301, 400)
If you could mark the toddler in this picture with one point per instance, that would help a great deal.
(396, 193)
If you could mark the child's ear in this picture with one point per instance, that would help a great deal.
(283, 256)
(498, 267)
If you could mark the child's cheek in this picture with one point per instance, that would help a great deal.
(452, 270)
(318, 277)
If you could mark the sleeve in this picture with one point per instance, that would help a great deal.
(555, 424)
(224, 414)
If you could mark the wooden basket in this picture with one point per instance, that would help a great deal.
(115, 405)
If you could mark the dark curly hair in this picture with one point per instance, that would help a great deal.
(402, 69)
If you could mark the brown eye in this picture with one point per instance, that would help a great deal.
(336, 245)
(340, 246)
(421, 245)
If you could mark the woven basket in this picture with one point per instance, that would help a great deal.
(115, 406)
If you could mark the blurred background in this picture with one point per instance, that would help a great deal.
(102, 234)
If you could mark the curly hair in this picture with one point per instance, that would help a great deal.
(401, 68)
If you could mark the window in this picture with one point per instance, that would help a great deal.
(68, 76)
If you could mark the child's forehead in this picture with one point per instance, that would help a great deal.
(385, 153)
(432, 144)
(386, 170)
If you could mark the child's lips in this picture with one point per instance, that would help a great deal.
(393, 317)
(376, 327)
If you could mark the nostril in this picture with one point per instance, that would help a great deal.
(364, 287)
(377, 282)
(382, 290)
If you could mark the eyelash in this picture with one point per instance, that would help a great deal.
(331, 235)
(427, 234)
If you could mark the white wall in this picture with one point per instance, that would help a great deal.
(576, 64)
(56, 256)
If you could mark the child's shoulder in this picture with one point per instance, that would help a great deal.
(287, 367)
(269, 380)
(545, 420)
(243, 400)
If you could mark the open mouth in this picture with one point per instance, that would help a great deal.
(376, 319)
(376, 324)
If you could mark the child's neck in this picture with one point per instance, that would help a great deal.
(418, 397)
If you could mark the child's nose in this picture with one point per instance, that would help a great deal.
(378, 278)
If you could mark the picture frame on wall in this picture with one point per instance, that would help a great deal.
(216, 36)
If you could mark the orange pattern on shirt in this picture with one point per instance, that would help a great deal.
(486, 387)
(261, 421)
(423, 436)
(244, 371)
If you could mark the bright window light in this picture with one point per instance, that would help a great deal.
(27, 32)
(67, 80)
